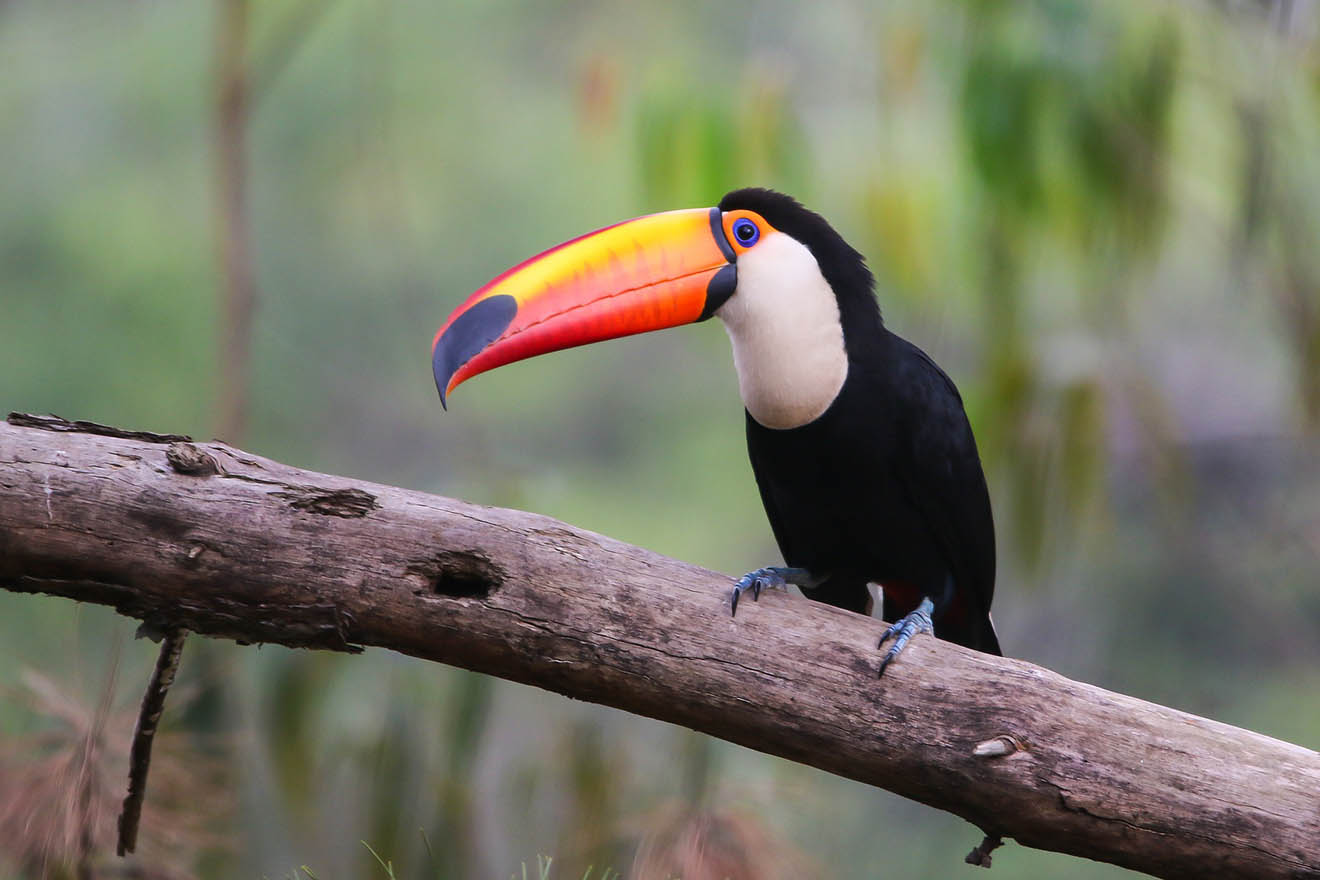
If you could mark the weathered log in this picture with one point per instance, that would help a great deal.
(207, 538)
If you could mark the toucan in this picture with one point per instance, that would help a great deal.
(859, 442)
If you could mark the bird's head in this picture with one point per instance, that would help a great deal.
(784, 283)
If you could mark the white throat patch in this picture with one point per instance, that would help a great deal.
(783, 321)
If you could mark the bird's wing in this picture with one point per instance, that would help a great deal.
(940, 472)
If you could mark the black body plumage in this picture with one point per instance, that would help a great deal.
(886, 485)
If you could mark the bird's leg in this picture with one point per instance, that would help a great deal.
(774, 577)
(918, 621)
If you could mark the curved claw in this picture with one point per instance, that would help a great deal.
(919, 621)
(770, 578)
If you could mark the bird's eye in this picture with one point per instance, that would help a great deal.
(745, 231)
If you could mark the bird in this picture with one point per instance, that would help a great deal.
(859, 443)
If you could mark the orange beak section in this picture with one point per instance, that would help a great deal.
(653, 272)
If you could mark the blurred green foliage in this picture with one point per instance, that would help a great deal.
(1100, 218)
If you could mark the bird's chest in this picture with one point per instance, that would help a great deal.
(831, 494)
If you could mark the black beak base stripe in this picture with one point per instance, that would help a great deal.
(721, 286)
(725, 281)
(717, 230)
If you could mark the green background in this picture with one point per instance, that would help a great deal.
(1101, 219)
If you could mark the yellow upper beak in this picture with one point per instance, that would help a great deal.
(653, 272)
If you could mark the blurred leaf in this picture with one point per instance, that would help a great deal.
(1003, 101)
(697, 145)
(899, 213)
(1120, 131)
(1081, 422)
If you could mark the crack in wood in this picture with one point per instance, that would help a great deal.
(346, 503)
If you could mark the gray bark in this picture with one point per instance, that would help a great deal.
(207, 538)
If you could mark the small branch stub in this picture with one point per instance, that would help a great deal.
(186, 458)
(999, 747)
(980, 856)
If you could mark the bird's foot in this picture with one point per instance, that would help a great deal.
(918, 621)
(772, 578)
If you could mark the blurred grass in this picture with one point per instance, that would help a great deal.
(1100, 219)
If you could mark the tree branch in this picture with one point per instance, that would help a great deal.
(208, 538)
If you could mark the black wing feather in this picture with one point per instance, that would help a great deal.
(940, 473)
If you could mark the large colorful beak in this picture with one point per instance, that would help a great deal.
(657, 271)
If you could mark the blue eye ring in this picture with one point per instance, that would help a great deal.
(745, 232)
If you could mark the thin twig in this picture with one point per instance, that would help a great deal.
(139, 759)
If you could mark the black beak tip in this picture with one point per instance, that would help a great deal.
(479, 326)
(441, 372)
